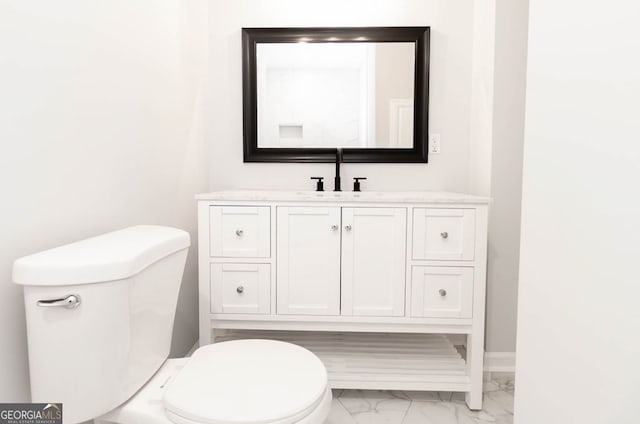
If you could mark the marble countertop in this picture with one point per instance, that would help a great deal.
(345, 196)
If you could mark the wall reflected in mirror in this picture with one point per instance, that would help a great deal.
(327, 95)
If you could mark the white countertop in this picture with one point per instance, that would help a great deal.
(344, 196)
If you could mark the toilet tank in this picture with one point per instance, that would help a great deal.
(100, 316)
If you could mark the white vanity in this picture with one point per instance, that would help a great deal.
(373, 283)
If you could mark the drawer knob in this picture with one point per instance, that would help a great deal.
(334, 227)
(444, 235)
(239, 232)
(240, 289)
(347, 227)
(442, 292)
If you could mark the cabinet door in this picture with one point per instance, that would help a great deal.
(441, 292)
(373, 261)
(308, 260)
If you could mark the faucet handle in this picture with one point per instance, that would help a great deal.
(356, 183)
(319, 183)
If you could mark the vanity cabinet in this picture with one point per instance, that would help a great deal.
(383, 287)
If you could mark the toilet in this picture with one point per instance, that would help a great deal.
(100, 318)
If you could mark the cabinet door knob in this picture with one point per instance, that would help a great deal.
(239, 232)
(334, 227)
(240, 289)
(442, 292)
(347, 227)
(444, 235)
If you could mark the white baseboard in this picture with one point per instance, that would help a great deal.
(500, 361)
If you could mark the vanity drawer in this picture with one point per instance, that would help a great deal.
(441, 292)
(240, 231)
(443, 234)
(240, 288)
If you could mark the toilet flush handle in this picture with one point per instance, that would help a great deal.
(69, 302)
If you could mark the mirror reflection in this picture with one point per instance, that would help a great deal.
(327, 95)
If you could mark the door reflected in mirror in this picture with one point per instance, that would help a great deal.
(329, 95)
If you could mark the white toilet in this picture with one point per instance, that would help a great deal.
(99, 321)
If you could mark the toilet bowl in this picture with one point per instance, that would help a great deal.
(241, 381)
(100, 316)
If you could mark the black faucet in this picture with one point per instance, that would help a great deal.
(356, 183)
(336, 186)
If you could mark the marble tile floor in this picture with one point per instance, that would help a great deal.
(404, 407)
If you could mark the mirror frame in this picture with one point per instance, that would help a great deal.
(419, 35)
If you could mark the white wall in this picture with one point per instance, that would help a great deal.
(482, 93)
(450, 98)
(100, 128)
(578, 312)
(511, 19)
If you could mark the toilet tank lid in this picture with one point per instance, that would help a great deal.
(111, 256)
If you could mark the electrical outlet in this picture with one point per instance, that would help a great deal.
(434, 143)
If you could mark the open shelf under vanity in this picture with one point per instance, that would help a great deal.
(383, 361)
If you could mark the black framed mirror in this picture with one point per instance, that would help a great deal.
(310, 91)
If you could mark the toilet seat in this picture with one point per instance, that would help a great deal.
(247, 382)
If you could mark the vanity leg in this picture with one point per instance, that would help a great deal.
(475, 340)
(473, 400)
(475, 358)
